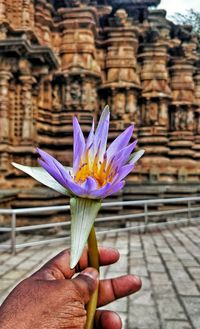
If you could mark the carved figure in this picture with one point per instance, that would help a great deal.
(56, 97)
(121, 18)
(75, 91)
(183, 120)
(163, 115)
(190, 120)
(152, 112)
(131, 106)
(176, 120)
(27, 118)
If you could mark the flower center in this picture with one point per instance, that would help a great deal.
(97, 170)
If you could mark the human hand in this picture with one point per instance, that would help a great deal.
(52, 299)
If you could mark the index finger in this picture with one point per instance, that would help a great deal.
(58, 267)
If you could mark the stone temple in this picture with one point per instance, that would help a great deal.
(64, 57)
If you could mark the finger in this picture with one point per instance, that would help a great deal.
(112, 289)
(107, 256)
(107, 320)
(58, 267)
(86, 283)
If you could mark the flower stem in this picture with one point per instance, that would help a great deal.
(93, 256)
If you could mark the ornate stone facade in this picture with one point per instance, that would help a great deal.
(65, 57)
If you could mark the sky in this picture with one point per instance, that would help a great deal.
(172, 6)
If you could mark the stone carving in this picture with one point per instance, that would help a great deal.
(56, 101)
(119, 105)
(121, 18)
(27, 125)
(89, 96)
(75, 91)
(131, 105)
(163, 114)
(152, 113)
(182, 175)
(154, 175)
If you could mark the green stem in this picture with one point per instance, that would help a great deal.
(93, 256)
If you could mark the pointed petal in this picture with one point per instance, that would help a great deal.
(101, 192)
(120, 142)
(90, 138)
(115, 188)
(123, 172)
(75, 188)
(90, 145)
(136, 156)
(122, 157)
(49, 159)
(59, 172)
(83, 212)
(43, 177)
(53, 171)
(53, 166)
(89, 185)
(79, 144)
(101, 134)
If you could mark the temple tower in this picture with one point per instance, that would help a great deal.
(62, 58)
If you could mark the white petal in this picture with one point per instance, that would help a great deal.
(101, 134)
(43, 177)
(135, 156)
(83, 212)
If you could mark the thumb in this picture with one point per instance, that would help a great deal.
(86, 283)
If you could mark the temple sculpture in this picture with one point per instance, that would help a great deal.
(60, 58)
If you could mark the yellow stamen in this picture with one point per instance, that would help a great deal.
(96, 170)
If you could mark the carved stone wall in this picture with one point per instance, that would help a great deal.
(60, 58)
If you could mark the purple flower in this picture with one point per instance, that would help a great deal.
(97, 172)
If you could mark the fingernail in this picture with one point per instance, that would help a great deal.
(91, 272)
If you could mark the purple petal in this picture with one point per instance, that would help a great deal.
(52, 162)
(53, 171)
(75, 188)
(123, 172)
(79, 144)
(120, 142)
(101, 134)
(101, 192)
(122, 157)
(89, 185)
(115, 188)
(46, 157)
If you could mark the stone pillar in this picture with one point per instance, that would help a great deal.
(155, 97)
(43, 21)
(181, 112)
(28, 14)
(16, 17)
(80, 69)
(5, 76)
(121, 83)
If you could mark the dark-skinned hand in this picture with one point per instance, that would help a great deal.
(53, 299)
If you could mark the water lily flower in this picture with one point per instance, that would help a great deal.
(96, 174)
